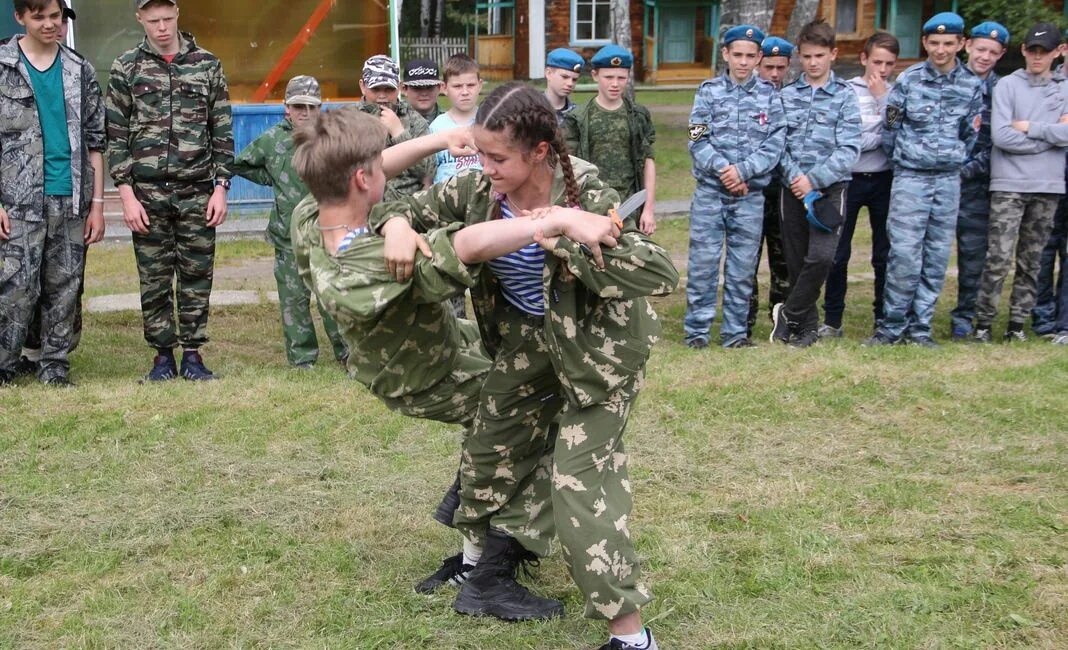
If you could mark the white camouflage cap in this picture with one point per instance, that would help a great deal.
(303, 89)
(380, 70)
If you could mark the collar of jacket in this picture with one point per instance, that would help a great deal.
(748, 85)
(10, 54)
(582, 169)
(186, 44)
(830, 87)
(930, 73)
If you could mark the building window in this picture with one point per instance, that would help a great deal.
(845, 16)
(591, 21)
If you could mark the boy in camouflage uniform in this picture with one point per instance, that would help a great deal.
(616, 134)
(985, 48)
(737, 132)
(933, 115)
(268, 160)
(170, 148)
(1030, 132)
(51, 186)
(380, 97)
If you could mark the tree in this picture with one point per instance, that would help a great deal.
(1017, 15)
(621, 33)
(748, 12)
(804, 12)
(424, 19)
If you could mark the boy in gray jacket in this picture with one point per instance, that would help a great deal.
(1030, 133)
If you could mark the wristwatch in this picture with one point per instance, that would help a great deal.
(223, 183)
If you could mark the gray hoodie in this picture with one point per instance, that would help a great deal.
(872, 113)
(1031, 162)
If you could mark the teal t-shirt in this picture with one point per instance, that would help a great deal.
(52, 111)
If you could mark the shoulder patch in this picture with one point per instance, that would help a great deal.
(893, 116)
(696, 131)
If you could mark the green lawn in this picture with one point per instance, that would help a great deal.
(833, 497)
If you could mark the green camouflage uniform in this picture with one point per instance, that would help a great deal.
(268, 160)
(45, 251)
(412, 179)
(169, 136)
(404, 344)
(583, 364)
(593, 134)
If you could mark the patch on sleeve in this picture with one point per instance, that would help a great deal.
(977, 122)
(697, 130)
(893, 116)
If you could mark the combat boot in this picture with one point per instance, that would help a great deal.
(491, 588)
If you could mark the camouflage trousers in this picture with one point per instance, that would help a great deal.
(41, 267)
(921, 226)
(1022, 223)
(779, 284)
(179, 246)
(298, 328)
(719, 220)
(973, 222)
(520, 477)
(31, 349)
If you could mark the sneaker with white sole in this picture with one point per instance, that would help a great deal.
(1060, 338)
(780, 328)
(827, 332)
(453, 571)
(616, 644)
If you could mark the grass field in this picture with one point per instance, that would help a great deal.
(832, 497)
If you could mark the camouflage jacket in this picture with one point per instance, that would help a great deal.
(411, 180)
(169, 121)
(402, 338)
(977, 165)
(823, 132)
(736, 124)
(268, 160)
(22, 141)
(577, 134)
(933, 118)
(599, 326)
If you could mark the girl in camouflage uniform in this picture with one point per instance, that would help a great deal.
(573, 349)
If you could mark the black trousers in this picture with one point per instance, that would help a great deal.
(809, 256)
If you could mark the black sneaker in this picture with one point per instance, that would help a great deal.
(25, 367)
(699, 343)
(193, 367)
(453, 571)
(449, 503)
(803, 339)
(1015, 334)
(740, 344)
(163, 369)
(780, 328)
(616, 644)
(982, 334)
(877, 340)
(491, 589)
(924, 341)
(58, 381)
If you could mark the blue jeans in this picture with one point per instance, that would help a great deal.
(1050, 314)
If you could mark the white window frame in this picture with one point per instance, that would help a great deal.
(575, 41)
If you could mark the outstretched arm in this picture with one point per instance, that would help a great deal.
(403, 155)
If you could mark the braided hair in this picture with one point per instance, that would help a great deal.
(529, 119)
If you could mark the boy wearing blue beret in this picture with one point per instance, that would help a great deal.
(615, 133)
(737, 131)
(562, 70)
(822, 145)
(985, 48)
(933, 115)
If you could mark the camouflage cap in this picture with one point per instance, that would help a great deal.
(303, 89)
(141, 3)
(380, 70)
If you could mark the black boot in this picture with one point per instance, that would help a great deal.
(491, 589)
(449, 503)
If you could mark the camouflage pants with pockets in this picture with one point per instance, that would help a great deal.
(973, 222)
(1019, 223)
(523, 479)
(179, 244)
(41, 267)
(298, 328)
(779, 283)
(719, 220)
(922, 225)
(33, 336)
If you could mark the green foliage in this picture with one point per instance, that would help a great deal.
(1017, 15)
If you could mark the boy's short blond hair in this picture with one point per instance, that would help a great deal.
(458, 64)
(332, 147)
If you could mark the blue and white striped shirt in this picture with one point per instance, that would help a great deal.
(520, 274)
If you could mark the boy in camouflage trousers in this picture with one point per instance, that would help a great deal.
(170, 148)
(616, 134)
(1030, 132)
(737, 132)
(51, 186)
(268, 160)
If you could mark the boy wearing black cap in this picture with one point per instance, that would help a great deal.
(1030, 132)
(421, 87)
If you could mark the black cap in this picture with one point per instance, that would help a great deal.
(421, 72)
(1044, 35)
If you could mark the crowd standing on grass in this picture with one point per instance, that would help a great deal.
(389, 212)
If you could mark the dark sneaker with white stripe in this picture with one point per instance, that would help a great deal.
(780, 328)
(616, 644)
(193, 367)
(453, 572)
(163, 368)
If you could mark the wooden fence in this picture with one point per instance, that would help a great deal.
(437, 50)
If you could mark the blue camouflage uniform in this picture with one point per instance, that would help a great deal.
(932, 123)
(974, 216)
(731, 124)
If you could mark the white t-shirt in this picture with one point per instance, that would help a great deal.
(449, 165)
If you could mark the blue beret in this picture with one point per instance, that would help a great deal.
(946, 22)
(775, 46)
(565, 59)
(992, 30)
(612, 56)
(743, 33)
